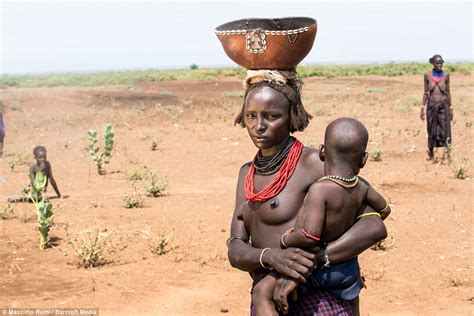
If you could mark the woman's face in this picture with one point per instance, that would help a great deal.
(438, 64)
(267, 118)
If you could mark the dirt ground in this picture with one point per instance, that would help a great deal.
(427, 265)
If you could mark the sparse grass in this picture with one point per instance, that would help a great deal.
(7, 211)
(89, 247)
(153, 145)
(159, 245)
(133, 200)
(17, 158)
(405, 106)
(15, 107)
(457, 282)
(376, 155)
(384, 244)
(153, 185)
(166, 94)
(132, 77)
(375, 90)
(468, 124)
(135, 174)
(461, 168)
(232, 94)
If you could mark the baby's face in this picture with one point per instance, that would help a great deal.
(40, 157)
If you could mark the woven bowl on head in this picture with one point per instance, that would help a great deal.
(278, 44)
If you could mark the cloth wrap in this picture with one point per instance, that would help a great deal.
(438, 118)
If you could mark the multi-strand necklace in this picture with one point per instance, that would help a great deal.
(285, 172)
(267, 165)
(344, 182)
(435, 76)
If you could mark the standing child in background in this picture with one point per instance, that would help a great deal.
(329, 210)
(43, 165)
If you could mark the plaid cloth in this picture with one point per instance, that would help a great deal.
(317, 303)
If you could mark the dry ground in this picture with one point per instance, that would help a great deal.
(427, 268)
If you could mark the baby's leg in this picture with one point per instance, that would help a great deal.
(355, 306)
(262, 296)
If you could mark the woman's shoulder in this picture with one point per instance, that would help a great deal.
(310, 159)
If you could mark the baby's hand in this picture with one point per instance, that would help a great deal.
(283, 288)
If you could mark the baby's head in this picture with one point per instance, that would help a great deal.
(40, 154)
(345, 143)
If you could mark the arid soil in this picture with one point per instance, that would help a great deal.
(426, 267)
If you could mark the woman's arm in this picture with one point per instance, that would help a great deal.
(51, 178)
(448, 93)
(366, 232)
(425, 97)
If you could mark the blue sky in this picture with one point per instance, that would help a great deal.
(52, 36)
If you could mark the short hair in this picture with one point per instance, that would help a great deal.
(437, 56)
(346, 139)
(299, 117)
(38, 149)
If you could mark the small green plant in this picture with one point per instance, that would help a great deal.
(376, 155)
(133, 200)
(103, 156)
(153, 145)
(7, 211)
(153, 185)
(448, 153)
(159, 245)
(89, 247)
(468, 124)
(384, 244)
(461, 169)
(137, 173)
(44, 210)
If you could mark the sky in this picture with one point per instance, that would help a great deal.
(61, 36)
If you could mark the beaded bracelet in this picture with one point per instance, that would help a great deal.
(261, 257)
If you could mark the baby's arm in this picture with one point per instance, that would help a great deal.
(51, 178)
(377, 202)
(308, 234)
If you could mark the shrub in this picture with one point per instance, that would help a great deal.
(104, 156)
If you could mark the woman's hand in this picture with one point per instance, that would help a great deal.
(451, 112)
(422, 113)
(293, 263)
(285, 287)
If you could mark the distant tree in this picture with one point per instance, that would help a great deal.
(193, 66)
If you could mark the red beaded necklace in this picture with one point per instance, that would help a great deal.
(435, 79)
(275, 187)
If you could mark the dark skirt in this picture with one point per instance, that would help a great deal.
(438, 118)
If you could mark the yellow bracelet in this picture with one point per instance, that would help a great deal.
(368, 214)
(384, 209)
(261, 256)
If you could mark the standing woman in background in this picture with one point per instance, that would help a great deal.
(437, 101)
